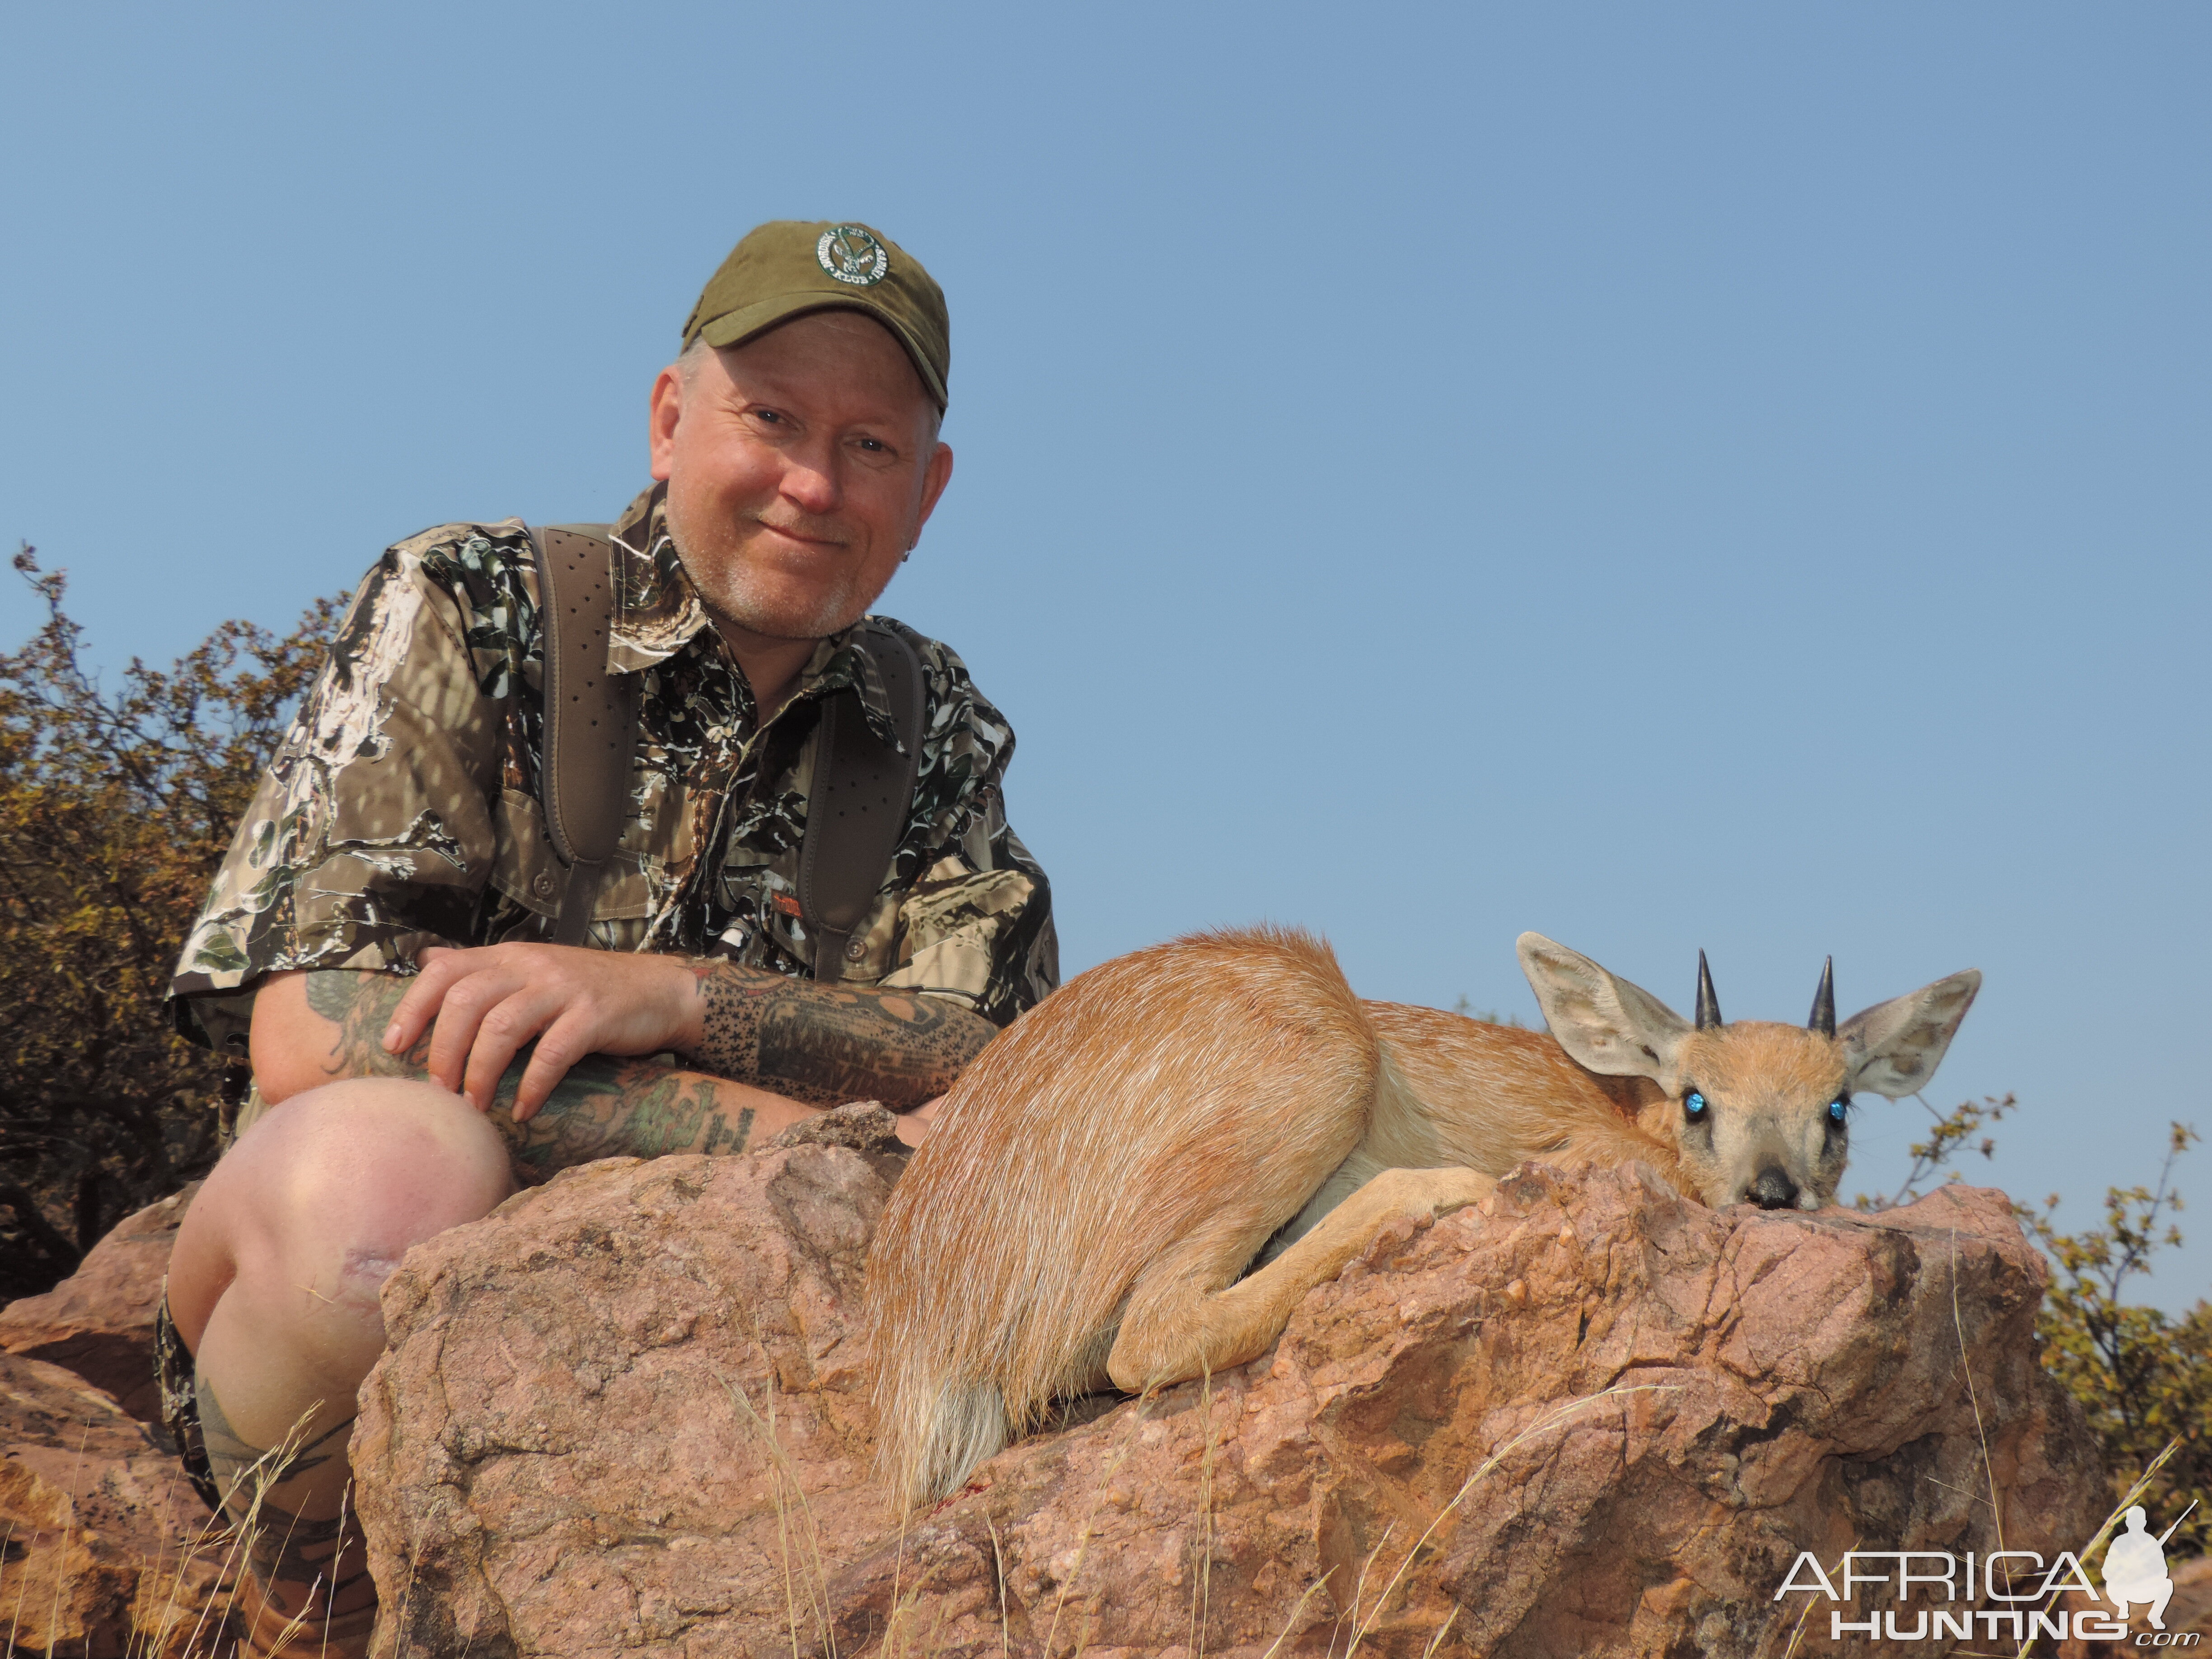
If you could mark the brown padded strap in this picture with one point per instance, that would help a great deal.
(590, 713)
(860, 798)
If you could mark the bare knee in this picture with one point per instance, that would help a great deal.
(326, 1193)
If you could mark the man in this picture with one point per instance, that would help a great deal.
(376, 938)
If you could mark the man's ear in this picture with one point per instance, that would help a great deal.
(936, 473)
(1894, 1048)
(1614, 1028)
(663, 408)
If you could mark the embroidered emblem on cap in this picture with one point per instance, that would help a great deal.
(850, 255)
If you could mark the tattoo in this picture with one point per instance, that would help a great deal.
(292, 1555)
(820, 1044)
(826, 1044)
(721, 1138)
(361, 1006)
(604, 1107)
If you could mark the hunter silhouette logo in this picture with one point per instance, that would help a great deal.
(852, 255)
(2020, 1592)
(2135, 1568)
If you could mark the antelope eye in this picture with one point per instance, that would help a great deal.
(1693, 1106)
(1837, 1110)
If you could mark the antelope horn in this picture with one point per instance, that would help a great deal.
(1709, 1006)
(1824, 1002)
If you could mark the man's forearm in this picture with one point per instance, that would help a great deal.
(827, 1043)
(605, 1107)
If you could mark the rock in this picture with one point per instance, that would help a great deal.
(672, 1345)
(99, 1321)
(625, 1415)
(107, 1549)
(2191, 1609)
(864, 1125)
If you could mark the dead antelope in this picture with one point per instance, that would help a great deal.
(1095, 1188)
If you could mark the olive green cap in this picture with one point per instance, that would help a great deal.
(788, 267)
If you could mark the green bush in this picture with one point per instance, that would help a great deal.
(115, 807)
(2144, 1380)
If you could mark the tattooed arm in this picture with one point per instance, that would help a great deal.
(468, 1019)
(317, 1027)
(830, 1042)
(823, 1043)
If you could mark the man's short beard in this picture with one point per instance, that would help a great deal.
(731, 591)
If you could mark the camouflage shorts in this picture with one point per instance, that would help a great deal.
(172, 1360)
(180, 1402)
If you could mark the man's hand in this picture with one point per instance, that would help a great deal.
(314, 1026)
(818, 1043)
(483, 1006)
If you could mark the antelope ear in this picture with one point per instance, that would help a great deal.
(1616, 1029)
(1894, 1047)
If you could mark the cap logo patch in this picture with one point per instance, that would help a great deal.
(850, 255)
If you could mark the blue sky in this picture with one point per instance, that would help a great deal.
(1711, 475)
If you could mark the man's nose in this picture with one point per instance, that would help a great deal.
(1773, 1190)
(811, 484)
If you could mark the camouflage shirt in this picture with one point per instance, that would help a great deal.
(401, 809)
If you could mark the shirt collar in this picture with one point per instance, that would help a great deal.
(658, 612)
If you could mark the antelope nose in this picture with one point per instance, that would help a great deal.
(1774, 1190)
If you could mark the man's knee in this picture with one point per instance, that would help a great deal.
(327, 1192)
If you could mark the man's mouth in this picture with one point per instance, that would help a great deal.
(826, 543)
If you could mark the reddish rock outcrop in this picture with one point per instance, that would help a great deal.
(2191, 1609)
(625, 1415)
(99, 1321)
(104, 1549)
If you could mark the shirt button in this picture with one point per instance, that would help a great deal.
(855, 948)
(542, 884)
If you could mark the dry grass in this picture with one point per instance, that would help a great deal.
(1797, 1630)
(1201, 1590)
(159, 1604)
(806, 1571)
(1363, 1625)
(1966, 1369)
(1137, 1417)
(910, 1631)
(789, 1496)
(904, 1639)
(2137, 1488)
(198, 1584)
(2141, 1483)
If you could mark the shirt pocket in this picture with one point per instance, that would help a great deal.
(951, 931)
(527, 870)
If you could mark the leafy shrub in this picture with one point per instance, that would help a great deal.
(115, 808)
(2144, 1380)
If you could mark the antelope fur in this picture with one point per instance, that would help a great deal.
(1094, 1189)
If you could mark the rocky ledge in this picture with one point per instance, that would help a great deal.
(98, 1323)
(626, 1414)
(104, 1550)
